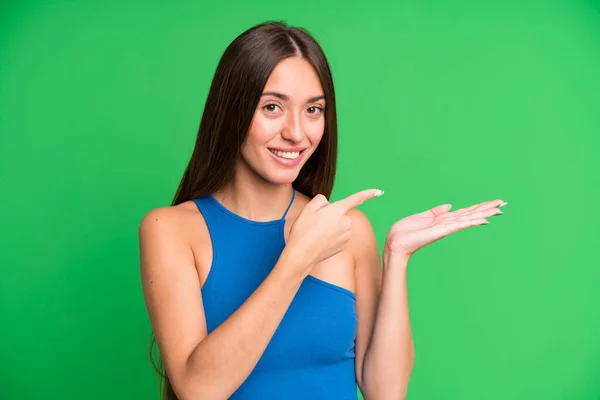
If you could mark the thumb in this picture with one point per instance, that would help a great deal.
(443, 208)
(318, 202)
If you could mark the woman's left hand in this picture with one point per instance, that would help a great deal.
(412, 233)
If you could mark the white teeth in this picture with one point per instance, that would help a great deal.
(289, 155)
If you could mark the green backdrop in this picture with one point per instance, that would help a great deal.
(439, 101)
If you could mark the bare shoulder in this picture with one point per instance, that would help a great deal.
(360, 221)
(174, 227)
(171, 218)
(361, 225)
(362, 241)
(178, 221)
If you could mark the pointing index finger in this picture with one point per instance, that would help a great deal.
(357, 199)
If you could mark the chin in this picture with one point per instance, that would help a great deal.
(282, 178)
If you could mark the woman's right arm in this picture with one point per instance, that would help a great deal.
(199, 365)
(213, 366)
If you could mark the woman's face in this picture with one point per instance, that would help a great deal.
(288, 123)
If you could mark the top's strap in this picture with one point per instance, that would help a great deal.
(291, 202)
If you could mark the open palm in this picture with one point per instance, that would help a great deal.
(409, 234)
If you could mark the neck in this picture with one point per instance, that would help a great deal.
(253, 198)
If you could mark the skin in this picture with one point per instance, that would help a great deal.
(333, 242)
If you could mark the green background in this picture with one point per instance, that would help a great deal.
(439, 101)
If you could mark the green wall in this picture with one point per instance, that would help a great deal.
(439, 101)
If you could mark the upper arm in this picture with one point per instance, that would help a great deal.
(368, 275)
(171, 289)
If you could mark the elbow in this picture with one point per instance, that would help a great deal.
(385, 392)
(181, 387)
(198, 389)
(388, 392)
(200, 379)
(194, 385)
(387, 384)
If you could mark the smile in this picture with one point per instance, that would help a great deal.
(292, 155)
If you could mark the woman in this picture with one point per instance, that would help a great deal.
(256, 286)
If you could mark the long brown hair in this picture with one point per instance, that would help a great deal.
(236, 88)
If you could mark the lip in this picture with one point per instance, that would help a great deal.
(284, 161)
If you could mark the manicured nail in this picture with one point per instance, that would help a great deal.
(379, 193)
(503, 204)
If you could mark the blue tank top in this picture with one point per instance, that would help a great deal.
(311, 354)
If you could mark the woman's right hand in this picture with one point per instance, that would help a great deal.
(322, 230)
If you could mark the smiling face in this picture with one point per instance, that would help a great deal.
(288, 123)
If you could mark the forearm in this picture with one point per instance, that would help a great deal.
(225, 358)
(390, 355)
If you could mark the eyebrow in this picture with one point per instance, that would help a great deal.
(286, 97)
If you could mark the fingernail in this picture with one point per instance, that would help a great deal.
(379, 193)
(503, 204)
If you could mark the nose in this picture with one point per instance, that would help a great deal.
(292, 129)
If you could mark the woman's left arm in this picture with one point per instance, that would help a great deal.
(384, 346)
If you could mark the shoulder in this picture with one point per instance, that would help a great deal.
(171, 218)
(360, 221)
(361, 225)
(172, 225)
(362, 240)
(169, 240)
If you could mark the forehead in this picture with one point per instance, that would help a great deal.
(295, 77)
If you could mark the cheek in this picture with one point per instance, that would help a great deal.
(262, 130)
(315, 131)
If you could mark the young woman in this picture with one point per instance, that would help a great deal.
(256, 286)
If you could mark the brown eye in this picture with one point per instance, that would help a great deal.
(271, 107)
(315, 110)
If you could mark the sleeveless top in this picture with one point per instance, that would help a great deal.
(311, 354)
